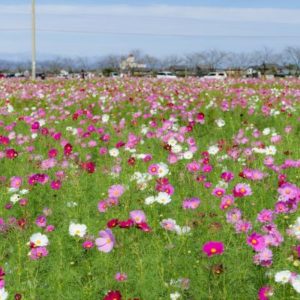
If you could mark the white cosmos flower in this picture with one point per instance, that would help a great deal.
(188, 155)
(163, 170)
(295, 281)
(266, 131)
(71, 204)
(176, 148)
(24, 192)
(69, 128)
(77, 229)
(163, 198)
(144, 129)
(114, 152)
(15, 198)
(283, 276)
(175, 296)
(12, 190)
(150, 200)
(213, 150)
(105, 118)
(270, 150)
(172, 142)
(10, 108)
(182, 230)
(42, 122)
(39, 240)
(3, 294)
(220, 122)
(34, 135)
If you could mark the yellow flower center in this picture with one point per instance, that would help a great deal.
(213, 250)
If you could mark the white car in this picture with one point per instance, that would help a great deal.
(166, 74)
(216, 75)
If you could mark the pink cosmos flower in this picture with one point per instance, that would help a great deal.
(193, 167)
(212, 248)
(256, 241)
(102, 206)
(106, 241)
(137, 216)
(218, 192)
(168, 224)
(242, 190)
(191, 203)
(207, 168)
(288, 191)
(38, 252)
(103, 151)
(88, 244)
(116, 191)
(226, 201)
(41, 221)
(263, 258)
(121, 276)
(281, 207)
(265, 216)
(48, 163)
(16, 182)
(242, 226)
(233, 215)
(153, 169)
(50, 228)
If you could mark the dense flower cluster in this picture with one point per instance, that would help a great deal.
(109, 180)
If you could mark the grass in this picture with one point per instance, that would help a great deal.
(150, 260)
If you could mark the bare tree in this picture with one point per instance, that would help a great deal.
(214, 58)
(110, 61)
(192, 60)
(293, 56)
(238, 60)
(151, 62)
(171, 60)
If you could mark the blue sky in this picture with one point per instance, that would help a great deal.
(160, 27)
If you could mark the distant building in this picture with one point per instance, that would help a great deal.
(129, 64)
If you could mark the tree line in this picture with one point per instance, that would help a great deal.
(211, 59)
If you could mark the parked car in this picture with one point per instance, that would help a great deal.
(166, 74)
(216, 75)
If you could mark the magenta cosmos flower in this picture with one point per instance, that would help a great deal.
(213, 248)
(256, 241)
(106, 241)
(265, 293)
(116, 191)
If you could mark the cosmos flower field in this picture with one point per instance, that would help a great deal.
(145, 189)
